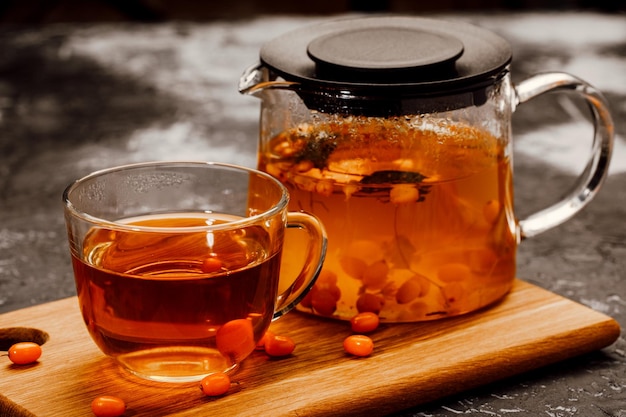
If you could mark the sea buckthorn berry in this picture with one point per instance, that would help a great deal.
(419, 309)
(215, 384)
(235, 339)
(352, 266)
(364, 322)
(307, 301)
(415, 311)
(358, 345)
(274, 170)
(454, 292)
(279, 346)
(211, 264)
(324, 302)
(304, 183)
(356, 258)
(491, 211)
(333, 289)
(389, 290)
(304, 166)
(375, 276)
(327, 277)
(23, 353)
(366, 250)
(108, 406)
(369, 303)
(416, 286)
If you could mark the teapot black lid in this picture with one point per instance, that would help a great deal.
(388, 55)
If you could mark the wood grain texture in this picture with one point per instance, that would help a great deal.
(413, 363)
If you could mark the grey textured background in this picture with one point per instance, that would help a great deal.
(79, 97)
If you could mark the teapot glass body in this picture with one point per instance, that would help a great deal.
(413, 184)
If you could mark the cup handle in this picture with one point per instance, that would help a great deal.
(315, 254)
(595, 172)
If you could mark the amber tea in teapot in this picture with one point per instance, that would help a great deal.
(420, 219)
(396, 133)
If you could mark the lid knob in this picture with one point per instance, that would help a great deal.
(385, 54)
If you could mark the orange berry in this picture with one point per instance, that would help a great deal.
(333, 289)
(211, 264)
(375, 276)
(327, 277)
(369, 303)
(353, 266)
(358, 345)
(414, 287)
(23, 353)
(108, 406)
(491, 211)
(307, 301)
(304, 166)
(279, 346)
(364, 322)
(215, 384)
(324, 302)
(235, 339)
(454, 292)
(327, 280)
(366, 250)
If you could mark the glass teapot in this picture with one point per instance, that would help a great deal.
(396, 133)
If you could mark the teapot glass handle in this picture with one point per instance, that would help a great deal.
(596, 170)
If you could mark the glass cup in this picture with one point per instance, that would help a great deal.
(177, 264)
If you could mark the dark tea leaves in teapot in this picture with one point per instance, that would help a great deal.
(392, 177)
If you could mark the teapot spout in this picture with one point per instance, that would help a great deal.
(255, 80)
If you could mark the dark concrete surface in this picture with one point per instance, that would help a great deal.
(76, 98)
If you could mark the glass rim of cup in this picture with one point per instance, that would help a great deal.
(117, 225)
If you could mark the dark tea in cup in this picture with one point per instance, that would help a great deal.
(186, 285)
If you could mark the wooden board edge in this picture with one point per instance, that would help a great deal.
(590, 338)
(601, 332)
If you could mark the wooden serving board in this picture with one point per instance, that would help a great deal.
(411, 364)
